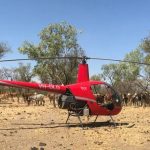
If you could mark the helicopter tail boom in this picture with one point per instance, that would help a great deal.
(37, 86)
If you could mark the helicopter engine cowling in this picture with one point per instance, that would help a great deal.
(70, 103)
(64, 101)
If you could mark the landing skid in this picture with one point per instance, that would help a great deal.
(110, 118)
(73, 110)
(70, 113)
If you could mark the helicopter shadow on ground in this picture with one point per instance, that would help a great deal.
(32, 126)
(98, 124)
(69, 124)
(104, 124)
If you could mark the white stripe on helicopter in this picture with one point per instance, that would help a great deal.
(86, 99)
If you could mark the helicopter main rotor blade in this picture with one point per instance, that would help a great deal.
(40, 58)
(73, 57)
(118, 60)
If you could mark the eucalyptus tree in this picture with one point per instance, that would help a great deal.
(145, 47)
(123, 75)
(133, 70)
(23, 72)
(4, 48)
(56, 40)
(6, 73)
(109, 72)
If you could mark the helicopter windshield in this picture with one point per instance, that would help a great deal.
(105, 93)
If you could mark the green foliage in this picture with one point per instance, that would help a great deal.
(3, 49)
(109, 72)
(147, 68)
(122, 75)
(56, 40)
(145, 47)
(95, 77)
(133, 70)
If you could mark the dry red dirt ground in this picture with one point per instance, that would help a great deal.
(35, 127)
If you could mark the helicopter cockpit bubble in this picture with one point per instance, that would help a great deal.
(104, 93)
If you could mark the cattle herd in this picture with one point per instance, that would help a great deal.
(38, 99)
(136, 99)
(29, 98)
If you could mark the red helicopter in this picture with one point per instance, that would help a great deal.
(84, 97)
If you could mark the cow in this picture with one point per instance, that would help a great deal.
(53, 98)
(37, 98)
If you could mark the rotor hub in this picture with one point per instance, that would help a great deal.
(84, 59)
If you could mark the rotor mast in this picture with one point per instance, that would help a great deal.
(83, 71)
